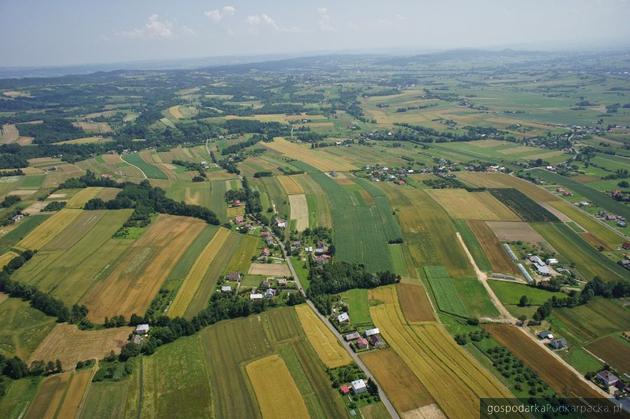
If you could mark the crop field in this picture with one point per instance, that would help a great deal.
(197, 273)
(21, 230)
(268, 375)
(22, 327)
(553, 372)
(587, 322)
(500, 180)
(45, 232)
(79, 199)
(299, 211)
(571, 246)
(400, 384)
(526, 208)
(269, 269)
(598, 198)
(473, 245)
(278, 200)
(444, 291)
(71, 345)
(18, 396)
(414, 303)
(71, 404)
(321, 160)
(49, 397)
(242, 259)
(433, 356)
(138, 275)
(460, 203)
(360, 229)
(510, 231)
(428, 231)
(601, 232)
(329, 350)
(6, 258)
(78, 257)
(498, 258)
(290, 184)
(150, 170)
(614, 350)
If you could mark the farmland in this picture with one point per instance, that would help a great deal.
(319, 159)
(614, 350)
(149, 170)
(328, 349)
(498, 258)
(472, 205)
(22, 328)
(45, 232)
(527, 209)
(415, 303)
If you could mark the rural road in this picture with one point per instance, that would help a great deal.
(388, 404)
(483, 278)
(131, 164)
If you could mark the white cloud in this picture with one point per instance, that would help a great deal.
(217, 15)
(263, 19)
(324, 20)
(156, 28)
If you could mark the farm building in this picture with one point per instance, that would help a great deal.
(233, 276)
(372, 332)
(142, 329)
(270, 293)
(282, 282)
(352, 336)
(376, 341)
(526, 274)
(545, 334)
(552, 261)
(536, 260)
(362, 343)
(343, 317)
(559, 343)
(345, 389)
(255, 296)
(359, 386)
(543, 270)
(239, 219)
(607, 378)
(226, 288)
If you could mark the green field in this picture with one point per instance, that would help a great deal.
(150, 170)
(22, 328)
(522, 205)
(19, 395)
(360, 229)
(510, 294)
(358, 307)
(473, 246)
(444, 291)
(27, 225)
(573, 248)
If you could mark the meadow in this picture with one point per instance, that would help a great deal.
(149, 170)
(22, 328)
(510, 294)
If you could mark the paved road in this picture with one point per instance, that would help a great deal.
(355, 357)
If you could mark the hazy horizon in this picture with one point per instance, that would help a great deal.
(70, 32)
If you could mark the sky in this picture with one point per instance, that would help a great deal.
(70, 32)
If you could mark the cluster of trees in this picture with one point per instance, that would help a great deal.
(51, 130)
(9, 201)
(269, 129)
(8, 173)
(55, 206)
(40, 300)
(143, 198)
(250, 197)
(263, 174)
(336, 277)
(235, 148)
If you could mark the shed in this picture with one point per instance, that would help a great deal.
(226, 288)
(255, 296)
(558, 343)
(345, 389)
(233, 276)
(545, 334)
(142, 329)
(371, 332)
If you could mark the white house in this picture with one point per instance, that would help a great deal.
(359, 386)
(142, 329)
(343, 317)
(371, 332)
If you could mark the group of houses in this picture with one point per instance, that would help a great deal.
(371, 338)
(607, 216)
(380, 173)
(552, 341)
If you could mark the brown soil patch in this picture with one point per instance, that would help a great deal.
(290, 185)
(499, 260)
(71, 345)
(299, 211)
(509, 231)
(415, 303)
(49, 397)
(612, 350)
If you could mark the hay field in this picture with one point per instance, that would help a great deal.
(500, 180)
(460, 203)
(400, 384)
(494, 251)
(77, 388)
(137, 277)
(318, 205)
(509, 231)
(414, 303)
(94, 127)
(328, 349)
(197, 273)
(552, 371)
(22, 327)
(269, 269)
(319, 159)
(71, 345)
(10, 134)
(79, 199)
(299, 211)
(86, 140)
(428, 231)
(47, 230)
(49, 397)
(275, 389)
(442, 367)
(290, 185)
(6, 258)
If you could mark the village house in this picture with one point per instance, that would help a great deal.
(359, 386)
(343, 317)
(281, 223)
(255, 296)
(226, 288)
(270, 293)
(372, 332)
(559, 343)
(376, 341)
(236, 203)
(233, 276)
(345, 390)
(239, 220)
(142, 329)
(362, 343)
(607, 378)
(545, 334)
(282, 282)
(352, 336)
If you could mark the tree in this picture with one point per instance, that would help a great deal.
(372, 387)
(15, 368)
(524, 301)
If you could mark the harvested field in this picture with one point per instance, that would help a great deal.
(269, 269)
(613, 350)
(319, 159)
(197, 274)
(402, 387)
(432, 355)
(49, 229)
(94, 127)
(71, 345)
(299, 211)
(460, 203)
(290, 185)
(75, 393)
(509, 231)
(498, 258)
(500, 180)
(268, 375)
(431, 411)
(414, 303)
(79, 199)
(137, 277)
(49, 397)
(330, 351)
(551, 370)
(10, 134)
(35, 208)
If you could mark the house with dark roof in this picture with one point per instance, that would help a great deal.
(559, 343)
(607, 378)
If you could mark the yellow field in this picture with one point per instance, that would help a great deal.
(175, 112)
(328, 349)
(442, 367)
(80, 198)
(6, 258)
(10, 133)
(86, 140)
(71, 345)
(197, 273)
(460, 203)
(290, 185)
(500, 180)
(276, 391)
(319, 159)
(299, 211)
(46, 231)
(324, 217)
